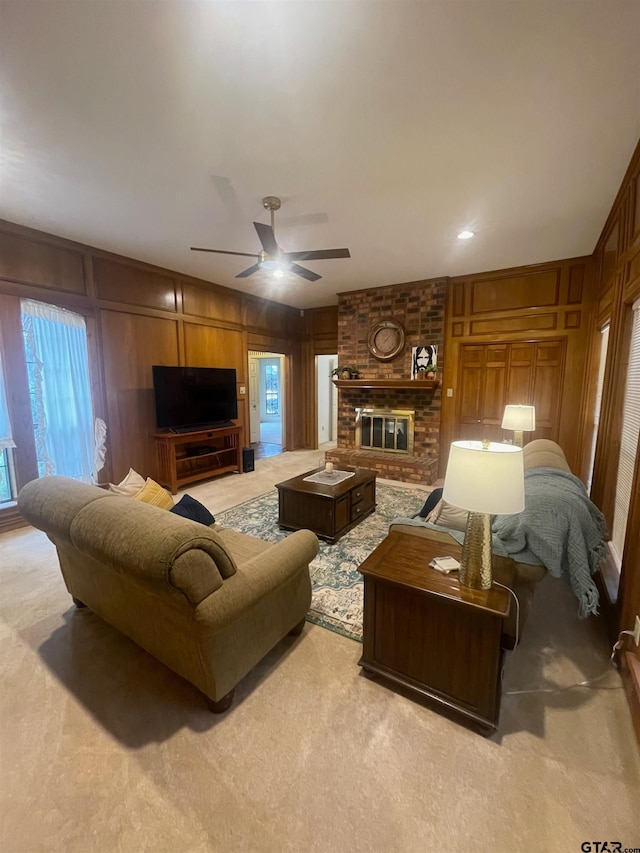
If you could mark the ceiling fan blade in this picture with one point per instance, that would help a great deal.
(317, 255)
(267, 238)
(249, 271)
(225, 252)
(302, 271)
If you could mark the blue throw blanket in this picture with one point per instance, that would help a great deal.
(562, 528)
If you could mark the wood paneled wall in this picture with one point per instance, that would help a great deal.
(617, 287)
(137, 316)
(534, 320)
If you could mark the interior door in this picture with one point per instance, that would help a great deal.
(254, 400)
(492, 375)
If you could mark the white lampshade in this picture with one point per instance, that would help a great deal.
(483, 480)
(519, 418)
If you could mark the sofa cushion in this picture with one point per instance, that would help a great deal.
(189, 507)
(447, 515)
(131, 484)
(153, 493)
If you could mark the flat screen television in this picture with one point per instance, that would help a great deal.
(194, 397)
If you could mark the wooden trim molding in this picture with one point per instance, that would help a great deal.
(11, 519)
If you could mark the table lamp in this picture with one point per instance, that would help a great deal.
(520, 419)
(486, 479)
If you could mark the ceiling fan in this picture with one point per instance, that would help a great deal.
(272, 258)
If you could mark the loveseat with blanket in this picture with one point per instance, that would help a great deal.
(207, 603)
(560, 530)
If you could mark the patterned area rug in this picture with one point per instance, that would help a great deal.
(337, 586)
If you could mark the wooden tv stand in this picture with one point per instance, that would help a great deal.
(179, 464)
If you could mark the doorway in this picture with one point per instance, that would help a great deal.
(266, 403)
(327, 401)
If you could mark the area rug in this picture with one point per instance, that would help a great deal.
(337, 589)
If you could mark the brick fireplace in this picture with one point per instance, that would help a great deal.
(419, 308)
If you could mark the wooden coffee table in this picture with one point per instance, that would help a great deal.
(328, 510)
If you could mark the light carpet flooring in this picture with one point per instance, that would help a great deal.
(104, 749)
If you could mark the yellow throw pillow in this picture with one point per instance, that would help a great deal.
(153, 493)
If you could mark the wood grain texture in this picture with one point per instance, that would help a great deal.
(30, 261)
(426, 633)
(131, 345)
(130, 284)
(513, 292)
(329, 511)
(211, 302)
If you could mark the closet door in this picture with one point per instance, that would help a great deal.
(492, 375)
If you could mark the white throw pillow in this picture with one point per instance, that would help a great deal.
(130, 486)
(447, 515)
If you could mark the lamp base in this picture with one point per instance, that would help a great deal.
(475, 564)
(517, 438)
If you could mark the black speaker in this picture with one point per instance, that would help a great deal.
(248, 463)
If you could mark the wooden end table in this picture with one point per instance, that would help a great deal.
(328, 510)
(437, 639)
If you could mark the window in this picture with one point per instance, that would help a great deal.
(628, 440)
(58, 368)
(7, 480)
(604, 343)
(272, 389)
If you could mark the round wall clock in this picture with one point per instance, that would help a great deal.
(386, 340)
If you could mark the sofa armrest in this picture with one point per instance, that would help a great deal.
(257, 578)
(153, 545)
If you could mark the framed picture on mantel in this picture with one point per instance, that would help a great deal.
(424, 361)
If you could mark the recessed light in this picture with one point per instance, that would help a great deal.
(466, 235)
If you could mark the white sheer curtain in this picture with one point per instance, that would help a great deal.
(5, 424)
(58, 366)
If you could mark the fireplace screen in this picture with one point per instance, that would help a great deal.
(388, 431)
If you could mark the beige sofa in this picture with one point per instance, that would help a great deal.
(540, 453)
(207, 603)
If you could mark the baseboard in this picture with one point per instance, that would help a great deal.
(11, 519)
(631, 679)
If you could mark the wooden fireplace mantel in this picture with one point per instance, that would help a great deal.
(416, 384)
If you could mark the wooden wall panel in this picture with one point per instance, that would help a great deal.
(277, 321)
(211, 302)
(133, 285)
(489, 316)
(513, 292)
(321, 329)
(576, 284)
(131, 344)
(209, 346)
(610, 252)
(507, 325)
(31, 262)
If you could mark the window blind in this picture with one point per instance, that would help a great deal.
(629, 439)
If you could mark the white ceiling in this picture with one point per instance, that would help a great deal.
(148, 127)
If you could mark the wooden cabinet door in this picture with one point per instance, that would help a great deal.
(471, 392)
(494, 375)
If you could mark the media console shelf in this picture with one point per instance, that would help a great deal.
(191, 456)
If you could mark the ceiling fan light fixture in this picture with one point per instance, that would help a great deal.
(466, 234)
(271, 264)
